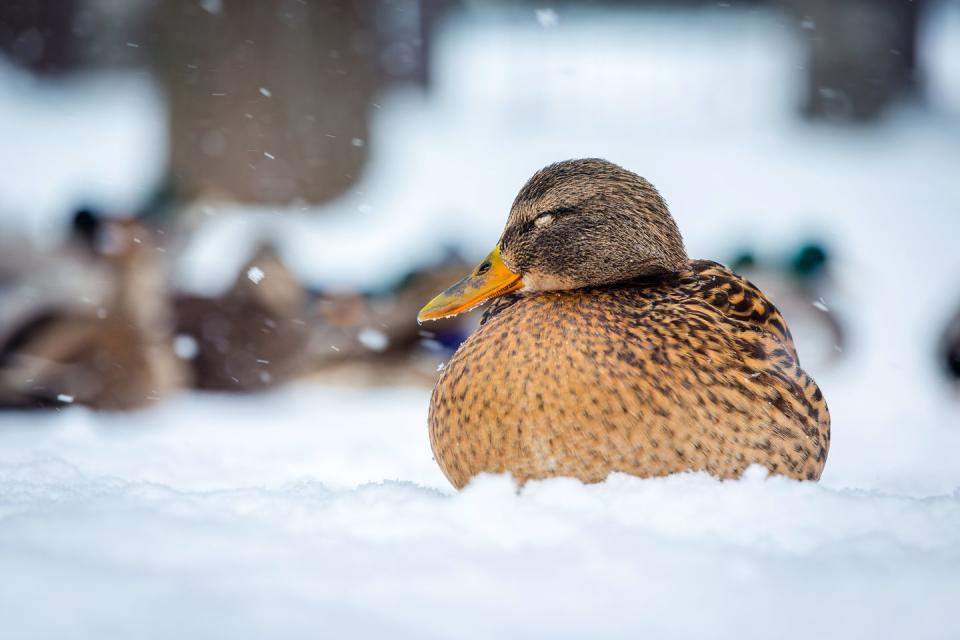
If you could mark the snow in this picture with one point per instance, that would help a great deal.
(317, 511)
(547, 17)
(373, 339)
(212, 6)
(185, 346)
(312, 511)
(117, 148)
(255, 274)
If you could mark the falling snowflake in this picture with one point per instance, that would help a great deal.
(547, 17)
(211, 6)
(255, 274)
(373, 339)
(185, 346)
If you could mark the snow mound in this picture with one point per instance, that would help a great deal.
(313, 513)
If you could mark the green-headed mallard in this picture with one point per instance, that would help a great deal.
(607, 349)
(799, 282)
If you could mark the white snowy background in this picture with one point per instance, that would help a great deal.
(318, 512)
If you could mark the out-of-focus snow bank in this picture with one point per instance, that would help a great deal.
(91, 140)
(319, 514)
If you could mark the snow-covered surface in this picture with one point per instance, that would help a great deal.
(318, 512)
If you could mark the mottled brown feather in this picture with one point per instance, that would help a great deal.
(687, 371)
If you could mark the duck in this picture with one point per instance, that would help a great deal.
(252, 337)
(605, 349)
(369, 336)
(106, 347)
(802, 283)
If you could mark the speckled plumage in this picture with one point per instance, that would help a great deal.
(664, 372)
(687, 372)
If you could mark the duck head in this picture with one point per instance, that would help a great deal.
(574, 224)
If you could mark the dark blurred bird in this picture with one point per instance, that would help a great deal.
(253, 336)
(606, 349)
(949, 348)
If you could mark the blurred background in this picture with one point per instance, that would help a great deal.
(228, 196)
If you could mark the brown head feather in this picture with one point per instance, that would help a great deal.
(589, 222)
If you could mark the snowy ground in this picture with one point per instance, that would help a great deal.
(318, 512)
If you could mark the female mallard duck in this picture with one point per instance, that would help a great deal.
(607, 349)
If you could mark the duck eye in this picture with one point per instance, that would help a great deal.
(543, 219)
(483, 268)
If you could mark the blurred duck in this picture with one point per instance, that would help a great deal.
(800, 285)
(372, 337)
(253, 336)
(605, 349)
(108, 345)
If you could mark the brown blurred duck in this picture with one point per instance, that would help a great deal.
(607, 349)
(253, 336)
(111, 351)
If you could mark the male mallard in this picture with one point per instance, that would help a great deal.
(799, 283)
(607, 349)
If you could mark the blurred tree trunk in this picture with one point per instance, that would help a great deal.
(862, 55)
(37, 34)
(269, 99)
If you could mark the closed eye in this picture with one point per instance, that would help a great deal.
(543, 220)
(547, 217)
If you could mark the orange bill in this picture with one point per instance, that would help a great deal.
(491, 279)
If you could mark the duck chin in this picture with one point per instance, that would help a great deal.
(533, 282)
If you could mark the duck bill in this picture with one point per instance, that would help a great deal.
(491, 279)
